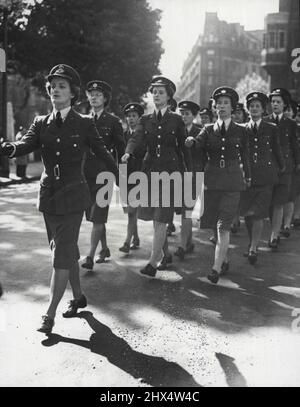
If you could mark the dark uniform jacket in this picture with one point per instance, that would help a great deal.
(110, 129)
(63, 187)
(288, 141)
(265, 154)
(135, 161)
(225, 155)
(197, 157)
(164, 142)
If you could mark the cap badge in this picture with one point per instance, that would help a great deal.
(255, 95)
(60, 69)
(94, 85)
(223, 91)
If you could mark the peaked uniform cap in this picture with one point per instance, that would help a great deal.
(65, 71)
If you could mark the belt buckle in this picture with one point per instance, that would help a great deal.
(56, 171)
(222, 163)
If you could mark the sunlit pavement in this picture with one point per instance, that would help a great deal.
(175, 330)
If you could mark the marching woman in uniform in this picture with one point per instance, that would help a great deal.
(164, 134)
(296, 218)
(265, 160)
(279, 99)
(226, 146)
(132, 112)
(288, 209)
(110, 129)
(189, 111)
(62, 137)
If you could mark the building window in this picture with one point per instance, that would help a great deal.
(210, 65)
(281, 39)
(272, 39)
(210, 80)
(210, 52)
(265, 36)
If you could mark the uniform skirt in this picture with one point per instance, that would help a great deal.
(63, 234)
(281, 191)
(95, 213)
(256, 199)
(220, 209)
(295, 187)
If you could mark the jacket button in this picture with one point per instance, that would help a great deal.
(223, 148)
(75, 145)
(159, 136)
(255, 139)
(222, 156)
(223, 139)
(57, 153)
(57, 178)
(159, 127)
(58, 140)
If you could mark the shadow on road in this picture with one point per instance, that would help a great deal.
(153, 370)
(234, 377)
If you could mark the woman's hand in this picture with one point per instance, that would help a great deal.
(189, 141)
(125, 158)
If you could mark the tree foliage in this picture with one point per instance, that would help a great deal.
(114, 41)
(251, 83)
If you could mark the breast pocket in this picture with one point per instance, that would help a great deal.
(73, 148)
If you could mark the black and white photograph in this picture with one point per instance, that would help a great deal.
(149, 196)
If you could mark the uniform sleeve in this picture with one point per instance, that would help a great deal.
(136, 141)
(294, 142)
(118, 139)
(183, 152)
(30, 140)
(244, 151)
(276, 148)
(200, 140)
(96, 144)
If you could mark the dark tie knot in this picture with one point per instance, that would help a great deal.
(96, 117)
(277, 119)
(223, 129)
(255, 128)
(58, 119)
(159, 116)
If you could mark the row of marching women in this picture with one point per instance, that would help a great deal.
(250, 164)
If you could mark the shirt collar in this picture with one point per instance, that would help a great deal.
(189, 128)
(64, 112)
(163, 111)
(251, 122)
(98, 113)
(227, 123)
(279, 115)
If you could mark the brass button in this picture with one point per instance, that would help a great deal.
(58, 140)
(57, 153)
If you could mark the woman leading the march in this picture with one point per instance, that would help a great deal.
(226, 146)
(163, 133)
(265, 160)
(62, 138)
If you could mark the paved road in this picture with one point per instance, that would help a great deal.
(176, 330)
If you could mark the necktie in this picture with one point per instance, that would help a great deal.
(159, 116)
(277, 120)
(96, 117)
(58, 119)
(255, 128)
(223, 129)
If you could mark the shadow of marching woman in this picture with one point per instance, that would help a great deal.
(153, 370)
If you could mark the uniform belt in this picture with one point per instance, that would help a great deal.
(223, 163)
(59, 171)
